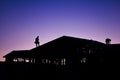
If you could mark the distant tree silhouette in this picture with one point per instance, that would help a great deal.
(37, 41)
(108, 41)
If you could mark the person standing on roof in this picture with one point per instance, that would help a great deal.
(37, 41)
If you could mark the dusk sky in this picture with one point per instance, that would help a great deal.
(22, 20)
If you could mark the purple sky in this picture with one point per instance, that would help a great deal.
(22, 20)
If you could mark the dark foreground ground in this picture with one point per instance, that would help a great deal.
(21, 71)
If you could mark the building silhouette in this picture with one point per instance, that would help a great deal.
(67, 51)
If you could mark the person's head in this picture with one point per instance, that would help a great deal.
(37, 36)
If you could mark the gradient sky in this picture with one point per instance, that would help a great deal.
(22, 20)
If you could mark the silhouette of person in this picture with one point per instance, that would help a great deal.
(37, 41)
